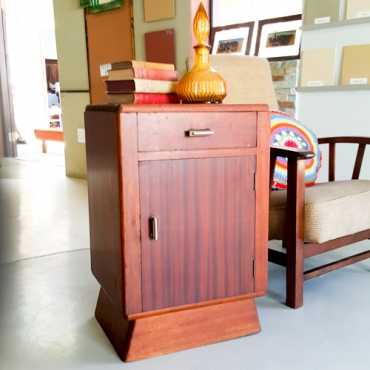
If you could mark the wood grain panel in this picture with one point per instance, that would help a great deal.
(262, 204)
(175, 331)
(206, 213)
(166, 131)
(103, 176)
(130, 213)
(109, 38)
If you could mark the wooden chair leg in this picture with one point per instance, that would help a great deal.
(44, 147)
(294, 275)
(294, 237)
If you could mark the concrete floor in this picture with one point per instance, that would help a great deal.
(48, 296)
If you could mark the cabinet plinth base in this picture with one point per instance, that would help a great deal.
(175, 331)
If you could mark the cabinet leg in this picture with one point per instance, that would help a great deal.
(165, 333)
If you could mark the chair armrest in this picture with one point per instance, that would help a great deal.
(291, 153)
(345, 140)
(294, 225)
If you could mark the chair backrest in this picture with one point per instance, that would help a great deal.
(248, 79)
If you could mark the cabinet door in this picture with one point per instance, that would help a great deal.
(204, 214)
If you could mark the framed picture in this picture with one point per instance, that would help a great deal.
(279, 38)
(234, 39)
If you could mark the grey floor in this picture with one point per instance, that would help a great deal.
(48, 296)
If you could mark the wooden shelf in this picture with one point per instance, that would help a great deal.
(347, 22)
(333, 88)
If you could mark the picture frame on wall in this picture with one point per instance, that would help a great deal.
(233, 39)
(279, 38)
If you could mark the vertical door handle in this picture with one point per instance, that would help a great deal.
(153, 228)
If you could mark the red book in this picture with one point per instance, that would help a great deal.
(143, 98)
(142, 73)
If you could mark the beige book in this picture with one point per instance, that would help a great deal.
(142, 64)
(141, 86)
(321, 11)
(356, 65)
(318, 67)
(357, 9)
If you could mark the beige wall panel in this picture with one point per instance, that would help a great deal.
(71, 45)
(159, 10)
(73, 106)
(358, 9)
(316, 9)
(356, 65)
(318, 67)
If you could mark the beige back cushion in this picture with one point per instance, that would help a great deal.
(249, 79)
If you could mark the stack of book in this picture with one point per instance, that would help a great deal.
(135, 82)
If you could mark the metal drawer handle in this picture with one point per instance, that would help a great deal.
(199, 133)
(153, 228)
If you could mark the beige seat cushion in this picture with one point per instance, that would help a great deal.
(332, 210)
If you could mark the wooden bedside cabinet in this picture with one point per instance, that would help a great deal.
(178, 201)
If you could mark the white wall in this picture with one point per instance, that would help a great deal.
(31, 39)
(341, 113)
(241, 11)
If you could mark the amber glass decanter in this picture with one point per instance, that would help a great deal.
(202, 84)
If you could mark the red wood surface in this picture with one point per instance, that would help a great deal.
(262, 201)
(49, 134)
(160, 46)
(131, 258)
(103, 175)
(175, 331)
(206, 213)
(206, 200)
(167, 131)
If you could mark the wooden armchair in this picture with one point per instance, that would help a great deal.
(310, 230)
(312, 221)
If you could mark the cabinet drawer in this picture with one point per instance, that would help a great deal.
(178, 131)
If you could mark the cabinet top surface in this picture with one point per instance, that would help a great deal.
(186, 108)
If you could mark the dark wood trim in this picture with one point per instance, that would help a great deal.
(263, 22)
(295, 233)
(250, 25)
(51, 61)
(155, 108)
(311, 249)
(322, 270)
(332, 160)
(345, 140)
(75, 91)
(333, 141)
(291, 153)
(359, 161)
(279, 258)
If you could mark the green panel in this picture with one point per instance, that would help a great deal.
(84, 3)
(97, 6)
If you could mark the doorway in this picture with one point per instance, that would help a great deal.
(34, 81)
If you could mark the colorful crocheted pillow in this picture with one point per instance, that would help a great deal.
(288, 132)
